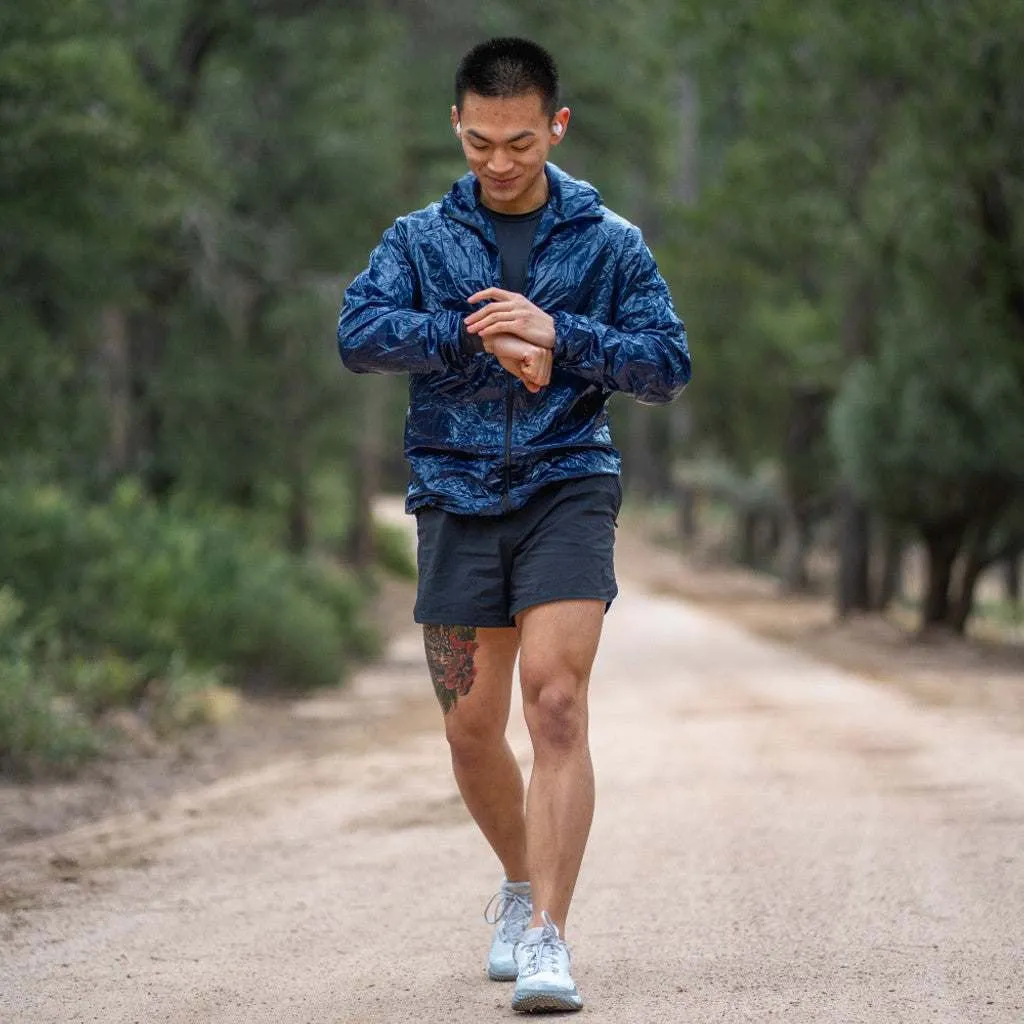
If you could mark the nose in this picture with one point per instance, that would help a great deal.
(499, 163)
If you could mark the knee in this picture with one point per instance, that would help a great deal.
(556, 715)
(470, 738)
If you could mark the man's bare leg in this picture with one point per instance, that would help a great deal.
(472, 672)
(558, 645)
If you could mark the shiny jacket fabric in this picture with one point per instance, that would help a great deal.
(478, 443)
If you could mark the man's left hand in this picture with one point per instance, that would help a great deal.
(510, 313)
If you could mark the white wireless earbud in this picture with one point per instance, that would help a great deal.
(557, 128)
(458, 127)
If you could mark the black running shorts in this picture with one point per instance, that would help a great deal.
(484, 570)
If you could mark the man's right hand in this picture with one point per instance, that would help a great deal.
(530, 363)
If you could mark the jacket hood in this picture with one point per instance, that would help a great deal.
(568, 198)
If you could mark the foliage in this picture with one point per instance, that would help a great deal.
(865, 209)
(926, 448)
(150, 583)
(127, 604)
(392, 547)
(36, 727)
(186, 188)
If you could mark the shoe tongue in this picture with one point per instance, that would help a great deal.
(519, 888)
(531, 936)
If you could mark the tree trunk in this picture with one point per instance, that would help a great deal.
(686, 181)
(299, 515)
(1012, 578)
(686, 504)
(890, 582)
(857, 336)
(639, 472)
(963, 602)
(853, 592)
(979, 555)
(795, 578)
(771, 533)
(747, 520)
(942, 547)
(366, 470)
(115, 362)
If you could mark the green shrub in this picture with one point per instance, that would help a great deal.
(130, 605)
(393, 551)
(183, 698)
(146, 583)
(37, 726)
(346, 595)
(102, 683)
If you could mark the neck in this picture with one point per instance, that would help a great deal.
(531, 200)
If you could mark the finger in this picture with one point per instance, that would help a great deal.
(491, 295)
(539, 369)
(501, 327)
(491, 307)
(491, 316)
(534, 374)
(508, 346)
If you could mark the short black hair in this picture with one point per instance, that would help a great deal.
(507, 67)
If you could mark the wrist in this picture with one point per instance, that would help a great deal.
(549, 340)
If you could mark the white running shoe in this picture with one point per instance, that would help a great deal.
(510, 911)
(544, 982)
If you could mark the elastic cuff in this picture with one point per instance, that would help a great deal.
(469, 344)
(562, 327)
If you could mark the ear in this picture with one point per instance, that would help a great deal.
(456, 127)
(559, 124)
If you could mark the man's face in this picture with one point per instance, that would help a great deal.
(506, 142)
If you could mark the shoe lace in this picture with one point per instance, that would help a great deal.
(543, 954)
(510, 911)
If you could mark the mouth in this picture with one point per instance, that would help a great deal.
(503, 182)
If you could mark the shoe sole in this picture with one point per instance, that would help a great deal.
(545, 1003)
(498, 976)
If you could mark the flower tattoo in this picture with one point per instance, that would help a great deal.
(450, 654)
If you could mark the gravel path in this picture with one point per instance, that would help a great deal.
(774, 840)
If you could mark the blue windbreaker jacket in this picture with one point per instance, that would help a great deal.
(478, 443)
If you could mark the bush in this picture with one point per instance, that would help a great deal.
(391, 546)
(36, 726)
(129, 605)
(183, 698)
(102, 683)
(148, 583)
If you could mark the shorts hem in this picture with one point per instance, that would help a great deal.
(562, 596)
(473, 621)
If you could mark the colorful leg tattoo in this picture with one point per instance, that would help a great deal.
(451, 651)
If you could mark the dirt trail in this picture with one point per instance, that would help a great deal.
(775, 840)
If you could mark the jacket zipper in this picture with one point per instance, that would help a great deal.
(507, 499)
(508, 439)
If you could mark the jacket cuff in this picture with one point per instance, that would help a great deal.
(469, 344)
(566, 326)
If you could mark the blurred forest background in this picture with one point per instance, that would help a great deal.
(834, 191)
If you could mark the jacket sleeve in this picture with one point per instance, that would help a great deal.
(380, 330)
(644, 351)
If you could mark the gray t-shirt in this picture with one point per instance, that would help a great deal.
(514, 232)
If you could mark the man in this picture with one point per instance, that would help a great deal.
(517, 304)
